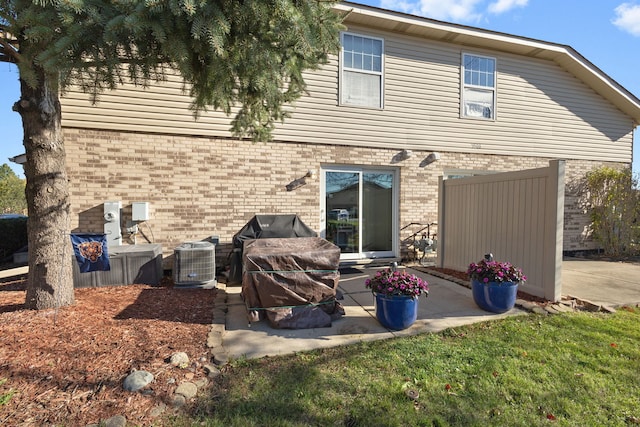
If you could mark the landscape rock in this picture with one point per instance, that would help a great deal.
(220, 357)
(564, 308)
(115, 421)
(187, 389)
(158, 410)
(201, 383)
(137, 380)
(179, 359)
(608, 309)
(527, 305)
(539, 310)
(211, 370)
(178, 401)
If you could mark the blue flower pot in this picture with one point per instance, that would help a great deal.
(493, 296)
(396, 312)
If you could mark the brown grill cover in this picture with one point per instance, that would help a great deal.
(291, 281)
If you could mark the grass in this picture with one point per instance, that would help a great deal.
(576, 369)
(5, 397)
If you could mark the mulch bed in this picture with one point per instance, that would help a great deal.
(67, 366)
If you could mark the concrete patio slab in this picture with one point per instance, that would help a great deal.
(448, 305)
(607, 283)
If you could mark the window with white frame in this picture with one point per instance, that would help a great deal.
(478, 86)
(361, 70)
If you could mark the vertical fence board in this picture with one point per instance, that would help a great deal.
(517, 216)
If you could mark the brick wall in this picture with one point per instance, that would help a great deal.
(198, 187)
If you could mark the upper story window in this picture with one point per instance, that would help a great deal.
(478, 86)
(361, 70)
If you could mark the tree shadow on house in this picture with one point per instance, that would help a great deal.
(172, 304)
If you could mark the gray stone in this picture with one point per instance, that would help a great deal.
(211, 370)
(539, 310)
(201, 383)
(179, 359)
(550, 309)
(115, 421)
(570, 303)
(563, 308)
(137, 380)
(178, 401)
(220, 357)
(527, 305)
(187, 389)
(157, 410)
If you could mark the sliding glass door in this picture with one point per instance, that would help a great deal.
(359, 211)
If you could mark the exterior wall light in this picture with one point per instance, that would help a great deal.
(433, 157)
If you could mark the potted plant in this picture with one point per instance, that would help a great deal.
(396, 297)
(495, 284)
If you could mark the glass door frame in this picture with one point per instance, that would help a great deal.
(361, 170)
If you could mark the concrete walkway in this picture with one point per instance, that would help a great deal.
(601, 282)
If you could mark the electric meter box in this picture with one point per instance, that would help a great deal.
(140, 211)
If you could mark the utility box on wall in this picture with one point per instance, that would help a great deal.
(112, 226)
(140, 211)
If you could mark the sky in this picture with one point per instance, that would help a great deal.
(606, 32)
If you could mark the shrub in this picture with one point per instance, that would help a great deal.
(613, 201)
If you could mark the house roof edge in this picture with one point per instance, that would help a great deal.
(565, 56)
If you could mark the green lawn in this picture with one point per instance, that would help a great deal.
(577, 369)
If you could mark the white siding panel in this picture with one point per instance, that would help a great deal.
(541, 109)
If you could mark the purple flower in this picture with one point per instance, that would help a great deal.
(397, 282)
(493, 271)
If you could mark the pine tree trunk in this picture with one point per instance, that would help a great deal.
(50, 282)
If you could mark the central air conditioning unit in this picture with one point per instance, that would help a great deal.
(194, 264)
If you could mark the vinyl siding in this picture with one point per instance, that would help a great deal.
(541, 111)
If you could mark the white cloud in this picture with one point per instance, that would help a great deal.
(446, 10)
(462, 11)
(501, 6)
(400, 6)
(628, 18)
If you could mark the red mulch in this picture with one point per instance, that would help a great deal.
(66, 366)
